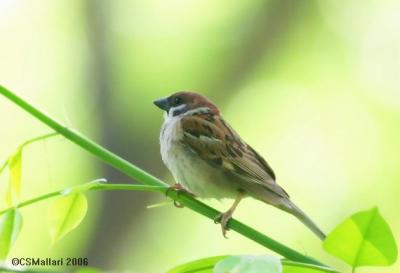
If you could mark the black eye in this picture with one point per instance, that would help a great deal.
(177, 100)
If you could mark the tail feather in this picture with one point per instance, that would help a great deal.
(291, 208)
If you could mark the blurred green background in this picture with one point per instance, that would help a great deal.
(312, 85)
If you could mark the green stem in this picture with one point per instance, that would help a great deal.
(84, 142)
(95, 186)
(142, 176)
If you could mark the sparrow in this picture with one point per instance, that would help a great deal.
(208, 159)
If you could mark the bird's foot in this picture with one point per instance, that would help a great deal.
(223, 219)
(179, 189)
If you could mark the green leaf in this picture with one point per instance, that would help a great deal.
(66, 214)
(10, 226)
(363, 239)
(205, 265)
(15, 167)
(249, 264)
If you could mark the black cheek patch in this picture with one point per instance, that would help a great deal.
(177, 112)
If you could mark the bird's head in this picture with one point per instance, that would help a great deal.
(186, 103)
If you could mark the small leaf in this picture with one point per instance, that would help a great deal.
(10, 226)
(66, 214)
(205, 265)
(14, 187)
(363, 239)
(249, 264)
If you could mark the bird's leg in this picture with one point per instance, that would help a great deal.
(223, 218)
(179, 189)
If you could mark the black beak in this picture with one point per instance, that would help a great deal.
(162, 104)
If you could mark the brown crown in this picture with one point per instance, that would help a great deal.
(194, 100)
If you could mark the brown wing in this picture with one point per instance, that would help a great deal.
(219, 145)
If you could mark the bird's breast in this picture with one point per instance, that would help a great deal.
(188, 168)
(171, 134)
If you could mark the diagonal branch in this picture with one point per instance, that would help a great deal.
(145, 178)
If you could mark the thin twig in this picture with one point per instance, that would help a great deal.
(95, 186)
(35, 139)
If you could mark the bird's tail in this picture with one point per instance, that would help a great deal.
(291, 208)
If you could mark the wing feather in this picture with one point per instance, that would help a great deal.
(214, 141)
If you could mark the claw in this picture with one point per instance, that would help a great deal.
(223, 219)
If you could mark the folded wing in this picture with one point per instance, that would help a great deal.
(214, 141)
